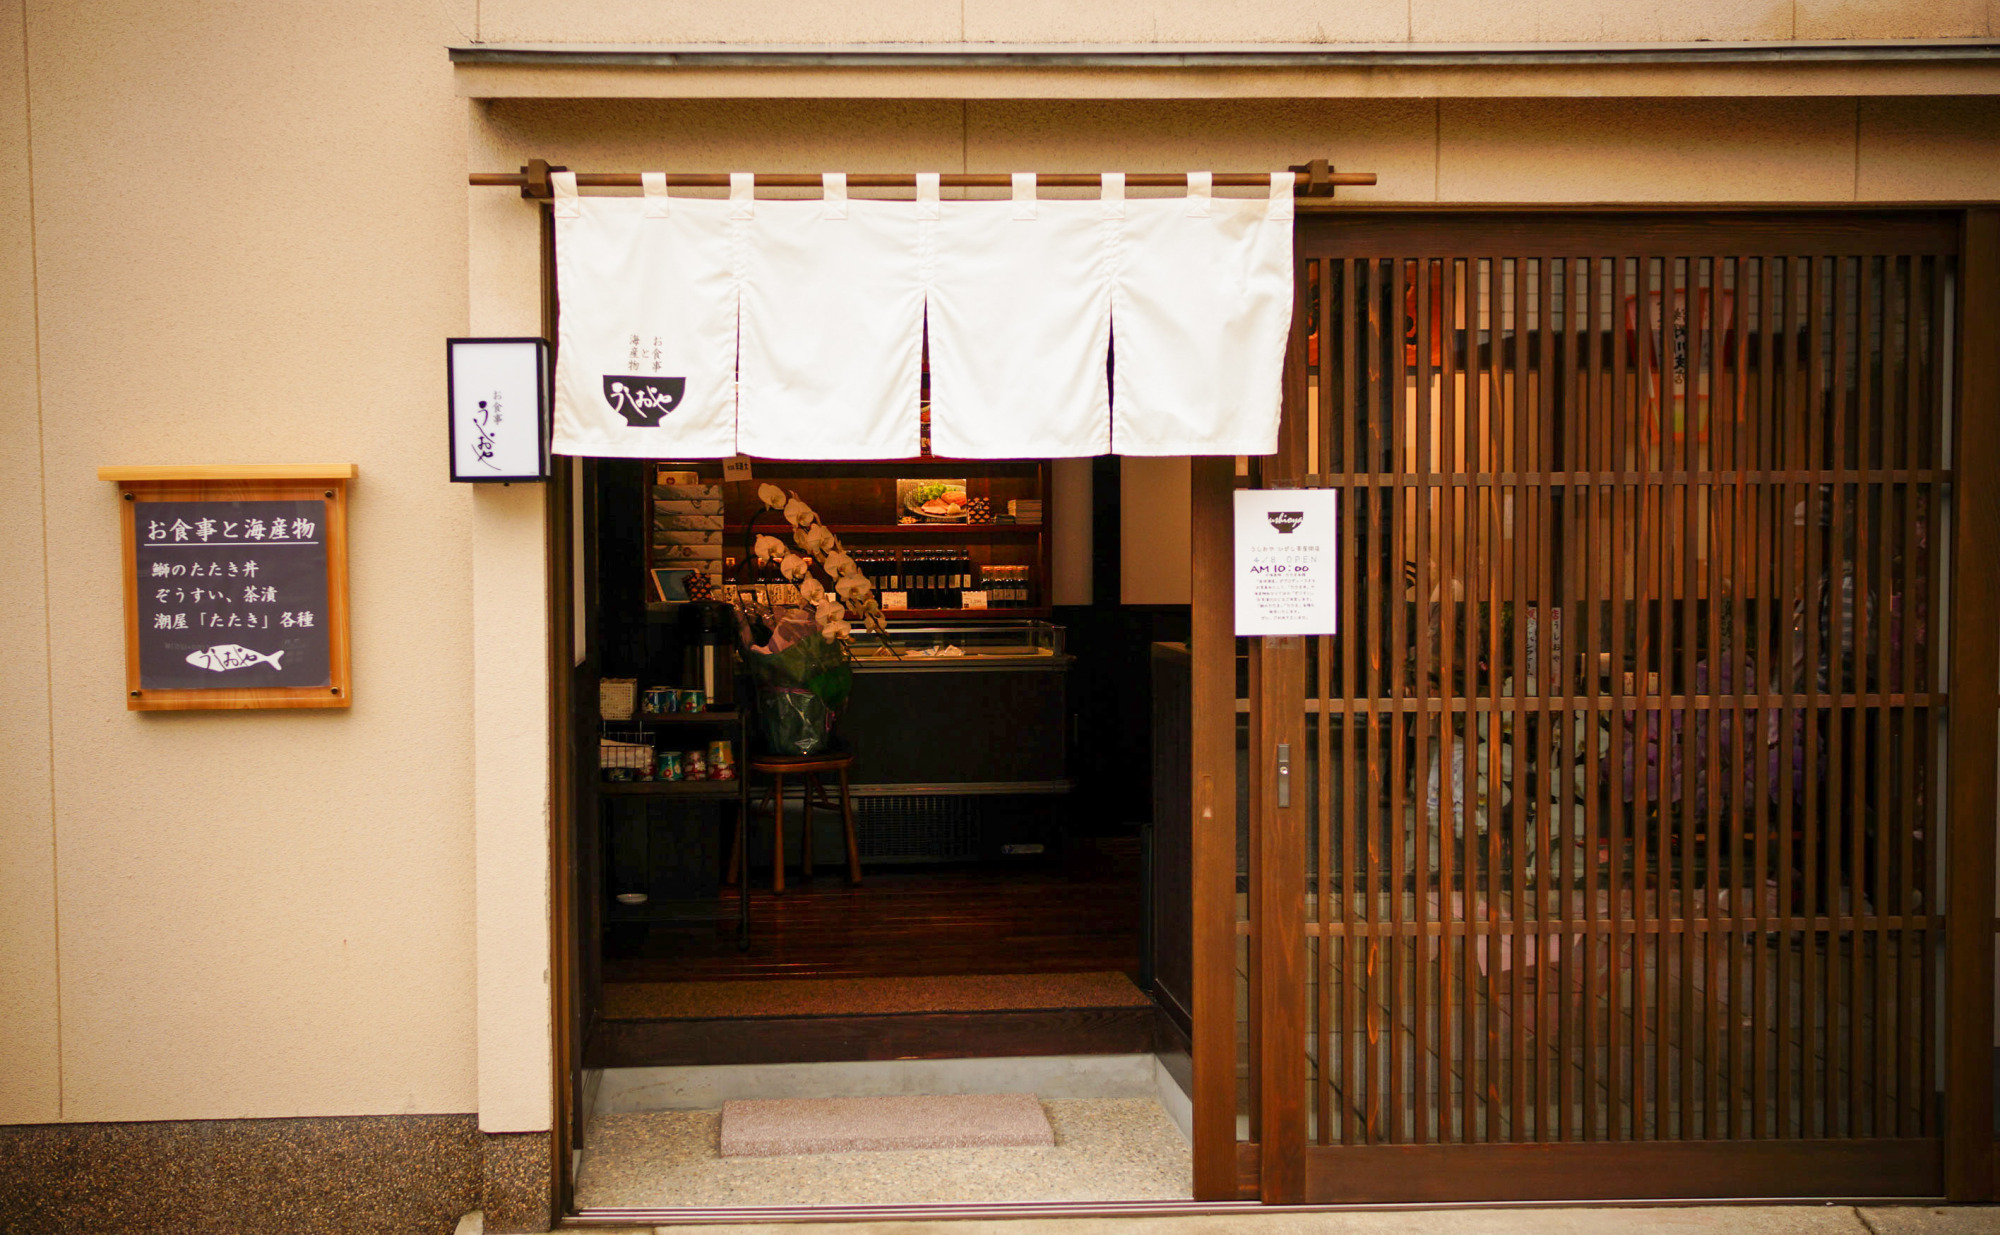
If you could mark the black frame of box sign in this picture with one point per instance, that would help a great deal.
(544, 376)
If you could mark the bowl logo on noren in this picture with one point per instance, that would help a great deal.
(643, 401)
(1286, 521)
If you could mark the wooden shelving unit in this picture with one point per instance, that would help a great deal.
(954, 615)
(858, 501)
(692, 729)
(943, 531)
(719, 790)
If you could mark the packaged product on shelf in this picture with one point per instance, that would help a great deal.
(696, 552)
(687, 505)
(687, 523)
(721, 760)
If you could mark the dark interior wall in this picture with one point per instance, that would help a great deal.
(1111, 683)
(628, 645)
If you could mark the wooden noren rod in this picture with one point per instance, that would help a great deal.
(1314, 179)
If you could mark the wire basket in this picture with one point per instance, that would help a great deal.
(625, 753)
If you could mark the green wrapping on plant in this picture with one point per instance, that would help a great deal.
(812, 663)
(833, 686)
(793, 721)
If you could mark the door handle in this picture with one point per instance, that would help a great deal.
(1284, 774)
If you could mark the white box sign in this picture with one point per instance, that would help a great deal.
(1287, 561)
(499, 409)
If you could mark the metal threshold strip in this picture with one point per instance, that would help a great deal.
(627, 1218)
(1220, 55)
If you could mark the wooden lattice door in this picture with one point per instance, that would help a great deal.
(1620, 869)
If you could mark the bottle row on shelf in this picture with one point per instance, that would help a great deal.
(943, 578)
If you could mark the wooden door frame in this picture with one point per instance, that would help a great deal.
(568, 997)
(1260, 1167)
(1212, 651)
(1973, 738)
(1225, 1170)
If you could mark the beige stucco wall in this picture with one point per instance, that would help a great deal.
(248, 241)
(241, 232)
(1155, 532)
(1423, 150)
(1232, 21)
(29, 1056)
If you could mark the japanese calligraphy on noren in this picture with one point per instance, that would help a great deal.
(232, 595)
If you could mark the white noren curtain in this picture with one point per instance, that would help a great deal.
(646, 347)
(794, 329)
(1020, 328)
(833, 319)
(1201, 303)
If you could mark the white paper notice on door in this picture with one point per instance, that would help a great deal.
(1287, 561)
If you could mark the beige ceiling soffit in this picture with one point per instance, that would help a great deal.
(1398, 70)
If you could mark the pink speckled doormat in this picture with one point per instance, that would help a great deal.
(771, 1128)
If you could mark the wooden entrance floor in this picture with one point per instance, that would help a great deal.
(963, 962)
(1079, 917)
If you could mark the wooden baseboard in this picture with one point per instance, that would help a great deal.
(1623, 1170)
(822, 1039)
(1174, 1049)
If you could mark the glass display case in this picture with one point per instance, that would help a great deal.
(958, 642)
(960, 707)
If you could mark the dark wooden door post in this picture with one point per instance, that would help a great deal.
(1975, 725)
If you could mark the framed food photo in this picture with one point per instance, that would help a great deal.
(931, 501)
(235, 582)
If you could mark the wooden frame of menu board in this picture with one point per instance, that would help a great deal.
(207, 570)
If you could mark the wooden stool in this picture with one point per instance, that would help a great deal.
(811, 767)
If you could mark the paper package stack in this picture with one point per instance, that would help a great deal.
(687, 524)
(1025, 510)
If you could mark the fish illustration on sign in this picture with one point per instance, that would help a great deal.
(226, 656)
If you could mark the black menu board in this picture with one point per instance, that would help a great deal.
(232, 595)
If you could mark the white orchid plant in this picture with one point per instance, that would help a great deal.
(851, 595)
(809, 645)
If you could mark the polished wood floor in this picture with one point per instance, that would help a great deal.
(1078, 915)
